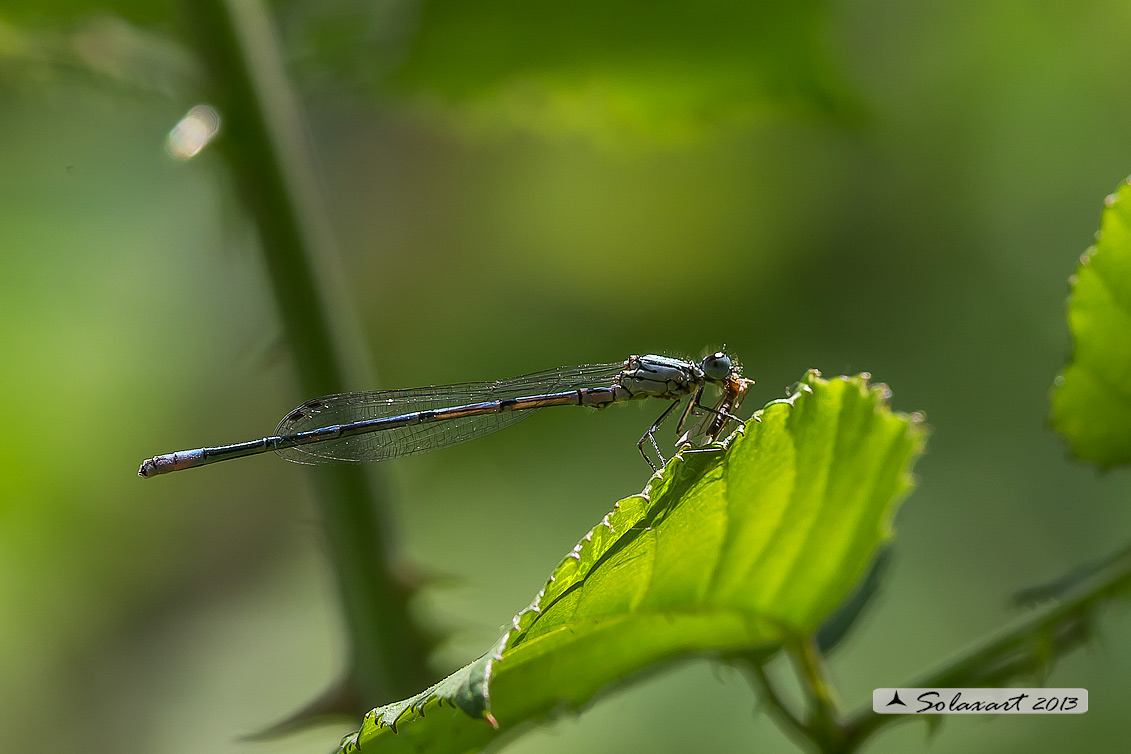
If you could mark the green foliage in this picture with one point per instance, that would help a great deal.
(100, 49)
(1091, 404)
(142, 12)
(954, 111)
(729, 549)
(663, 68)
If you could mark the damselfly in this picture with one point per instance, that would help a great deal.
(373, 426)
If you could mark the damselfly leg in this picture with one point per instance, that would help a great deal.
(720, 414)
(650, 436)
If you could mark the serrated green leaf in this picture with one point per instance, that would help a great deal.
(727, 549)
(1091, 403)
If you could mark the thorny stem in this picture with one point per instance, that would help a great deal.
(264, 145)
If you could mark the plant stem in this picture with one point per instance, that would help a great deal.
(824, 719)
(1027, 649)
(263, 141)
(777, 706)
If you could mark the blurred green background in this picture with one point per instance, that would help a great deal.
(866, 185)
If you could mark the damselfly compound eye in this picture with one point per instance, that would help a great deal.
(717, 366)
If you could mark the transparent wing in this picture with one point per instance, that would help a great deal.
(344, 408)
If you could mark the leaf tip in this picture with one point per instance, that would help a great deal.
(349, 743)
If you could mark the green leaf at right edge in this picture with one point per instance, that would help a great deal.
(727, 549)
(1091, 403)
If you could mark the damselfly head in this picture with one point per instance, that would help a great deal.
(717, 367)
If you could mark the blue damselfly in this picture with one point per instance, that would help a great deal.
(373, 426)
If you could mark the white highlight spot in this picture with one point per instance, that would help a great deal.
(192, 134)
